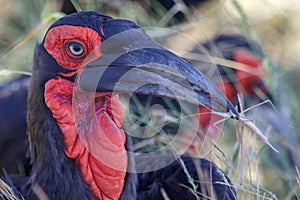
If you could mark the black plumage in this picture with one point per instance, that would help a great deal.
(13, 137)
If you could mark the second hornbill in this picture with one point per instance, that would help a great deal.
(78, 147)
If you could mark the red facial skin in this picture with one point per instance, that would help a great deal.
(90, 122)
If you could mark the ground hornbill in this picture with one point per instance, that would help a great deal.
(78, 148)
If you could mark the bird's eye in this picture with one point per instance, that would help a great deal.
(76, 48)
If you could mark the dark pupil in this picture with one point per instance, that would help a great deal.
(77, 48)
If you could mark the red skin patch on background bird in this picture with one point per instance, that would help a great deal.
(245, 79)
(100, 153)
(227, 88)
(207, 120)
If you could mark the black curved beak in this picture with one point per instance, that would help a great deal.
(133, 63)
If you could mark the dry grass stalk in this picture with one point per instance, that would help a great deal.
(6, 191)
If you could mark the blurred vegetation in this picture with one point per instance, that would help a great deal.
(274, 25)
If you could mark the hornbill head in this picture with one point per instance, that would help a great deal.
(248, 79)
(83, 62)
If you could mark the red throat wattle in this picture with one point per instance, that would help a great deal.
(91, 125)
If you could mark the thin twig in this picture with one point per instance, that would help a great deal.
(298, 176)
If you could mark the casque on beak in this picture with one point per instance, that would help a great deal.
(132, 62)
